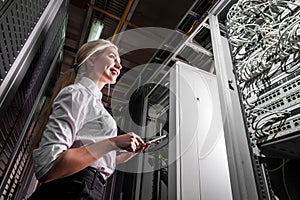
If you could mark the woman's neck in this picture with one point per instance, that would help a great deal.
(100, 84)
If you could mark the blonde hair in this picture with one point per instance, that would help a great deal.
(86, 51)
(89, 49)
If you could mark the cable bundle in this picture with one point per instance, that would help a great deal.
(265, 42)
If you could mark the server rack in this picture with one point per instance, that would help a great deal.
(31, 41)
(256, 52)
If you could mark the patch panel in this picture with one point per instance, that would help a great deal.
(291, 125)
(280, 82)
(275, 76)
(293, 97)
(269, 97)
(291, 85)
(279, 105)
(279, 92)
(274, 106)
(262, 126)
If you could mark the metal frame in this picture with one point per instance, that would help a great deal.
(240, 155)
(174, 190)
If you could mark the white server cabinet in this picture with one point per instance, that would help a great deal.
(201, 160)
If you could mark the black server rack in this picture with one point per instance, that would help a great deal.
(31, 40)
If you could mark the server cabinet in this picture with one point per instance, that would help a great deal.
(31, 42)
(201, 160)
(256, 52)
(190, 162)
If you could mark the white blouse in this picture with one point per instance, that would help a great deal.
(78, 119)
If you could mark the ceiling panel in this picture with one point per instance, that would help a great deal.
(160, 13)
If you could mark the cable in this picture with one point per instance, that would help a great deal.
(264, 36)
(284, 183)
(260, 125)
(284, 161)
(255, 23)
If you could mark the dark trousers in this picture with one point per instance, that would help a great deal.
(86, 184)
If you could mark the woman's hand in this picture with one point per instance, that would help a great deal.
(129, 142)
(75, 159)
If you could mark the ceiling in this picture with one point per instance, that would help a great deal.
(143, 13)
(123, 16)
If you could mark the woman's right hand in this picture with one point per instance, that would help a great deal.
(129, 142)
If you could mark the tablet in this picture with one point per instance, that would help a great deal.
(157, 139)
(152, 141)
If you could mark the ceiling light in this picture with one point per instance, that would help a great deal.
(95, 31)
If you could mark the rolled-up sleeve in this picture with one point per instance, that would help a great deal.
(60, 132)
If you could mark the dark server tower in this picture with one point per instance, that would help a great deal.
(32, 34)
(256, 49)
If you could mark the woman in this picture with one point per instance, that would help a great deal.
(77, 151)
